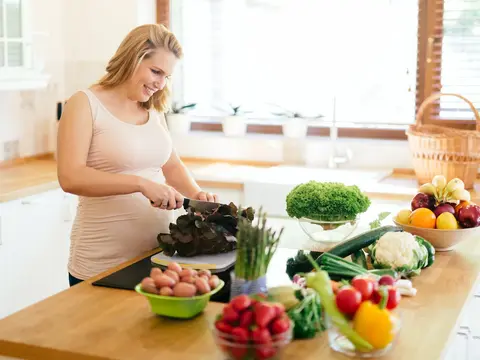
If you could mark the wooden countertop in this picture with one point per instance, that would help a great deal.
(38, 175)
(87, 322)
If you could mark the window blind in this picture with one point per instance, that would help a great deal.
(453, 47)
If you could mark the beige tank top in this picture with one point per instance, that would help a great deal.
(112, 229)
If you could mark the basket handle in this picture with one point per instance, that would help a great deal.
(437, 96)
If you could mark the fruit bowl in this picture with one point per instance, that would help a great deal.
(178, 307)
(329, 233)
(441, 239)
(233, 350)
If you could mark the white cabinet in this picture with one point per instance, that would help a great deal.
(466, 344)
(34, 250)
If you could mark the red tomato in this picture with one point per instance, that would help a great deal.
(364, 286)
(394, 297)
(240, 302)
(348, 300)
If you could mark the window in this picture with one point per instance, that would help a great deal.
(307, 55)
(12, 45)
(451, 31)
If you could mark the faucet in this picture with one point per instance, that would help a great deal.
(337, 157)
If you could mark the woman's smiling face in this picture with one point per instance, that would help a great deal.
(151, 75)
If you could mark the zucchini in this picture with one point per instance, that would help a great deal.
(358, 257)
(361, 241)
(430, 250)
(300, 263)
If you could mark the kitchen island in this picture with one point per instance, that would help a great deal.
(89, 322)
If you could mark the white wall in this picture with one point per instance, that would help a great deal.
(82, 36)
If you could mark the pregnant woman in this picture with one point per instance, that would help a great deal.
(114, 151)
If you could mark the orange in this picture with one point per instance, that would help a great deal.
(422, 217)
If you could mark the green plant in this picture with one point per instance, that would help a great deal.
(176, 109)
(327, 201)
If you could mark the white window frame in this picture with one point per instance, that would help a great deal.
(29, 76)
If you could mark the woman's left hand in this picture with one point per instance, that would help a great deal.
(206, 196)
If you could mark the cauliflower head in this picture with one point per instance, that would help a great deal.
(399, 251)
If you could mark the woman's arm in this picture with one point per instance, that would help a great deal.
(177, 175)
(73, 143)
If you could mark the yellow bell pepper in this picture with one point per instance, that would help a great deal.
(375, 324)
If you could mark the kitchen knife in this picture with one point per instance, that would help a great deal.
(199, 205)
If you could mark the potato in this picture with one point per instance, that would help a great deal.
(194, 272)
(155, 272)
(204, 277)
(148, 285)
(186, 272)
(214, 282)
(202, 285)
(166, 291)
(188, 279)
(183, 289)
(174, 275)
(163, 280)
(174, 267)
(205, 272)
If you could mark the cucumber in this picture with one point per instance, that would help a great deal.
(361, 241)
(430, 250)
(358, 257)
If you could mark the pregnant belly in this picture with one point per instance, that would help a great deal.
(114, 229)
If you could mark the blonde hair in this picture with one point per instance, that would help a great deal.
(139, 44)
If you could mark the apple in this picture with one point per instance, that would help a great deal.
(469, 216)
(423, 201)
(444, 208)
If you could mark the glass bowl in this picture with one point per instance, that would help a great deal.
(328, 232)
(339, 342)
(232, 350)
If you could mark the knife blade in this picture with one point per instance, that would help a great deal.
(200, 205)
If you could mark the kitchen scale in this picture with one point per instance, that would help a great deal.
(215, 263)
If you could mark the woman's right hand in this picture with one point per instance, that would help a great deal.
(163, 196)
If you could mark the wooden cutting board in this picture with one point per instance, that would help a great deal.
(214, 263)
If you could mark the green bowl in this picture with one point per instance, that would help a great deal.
(178, 307)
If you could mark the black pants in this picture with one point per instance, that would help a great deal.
(73, 280)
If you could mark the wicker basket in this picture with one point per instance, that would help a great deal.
(439, 150)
